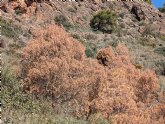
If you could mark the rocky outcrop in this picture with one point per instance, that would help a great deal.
(139, 14)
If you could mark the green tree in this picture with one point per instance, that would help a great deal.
(162, 9)
(104, 21)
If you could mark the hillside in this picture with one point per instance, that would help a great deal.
(82, 62)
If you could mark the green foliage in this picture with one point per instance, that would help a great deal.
(68, 120)
(97, 118)
(162, 37)
(19, 117)
(160, 50)
(19, 10)
(19, 107)
(12, 94)
(160, 67)
(104, 21)
(162, 9)
(89, 52)
(147, 42)
(76, 36)
(62, 20)
(148, 1)
(141, 23)
(9, 30)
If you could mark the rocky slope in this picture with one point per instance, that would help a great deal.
(139, 26)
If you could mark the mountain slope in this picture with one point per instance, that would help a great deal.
(85, 71)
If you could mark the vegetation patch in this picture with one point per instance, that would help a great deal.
(76, 36)
(62, 20)
(148, 31)
(148, 1)
(162, 9)
(97, 118)
(160, 50)
(12, 93)
(160, 67)
(161, 37)
(20, 10)
(104, 21)
(9, 30)
(144, 41)
(19, 107)
(90, 52)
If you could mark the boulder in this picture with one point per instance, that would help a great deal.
(138, 12)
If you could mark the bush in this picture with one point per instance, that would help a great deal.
(62, 20)
(160, 67)
(19, 107)
(147, 42)
(162, 9)
(56, 68)
(104, 21)
(9, 30)
(97, 118)
(160, 50)
(161, 37)
(148, 1)
(89, 52)
(20, 10)
(77, 37)
(12, 93)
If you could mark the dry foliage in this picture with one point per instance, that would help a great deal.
(54, 66)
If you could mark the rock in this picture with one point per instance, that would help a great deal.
(2, 43)
(137, 11)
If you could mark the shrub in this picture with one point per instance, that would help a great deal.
(104, 21)
(147, 42)
(20, 10)
(148, 1)
(141, 23)
(97, 118)
(89, 52)
(19, 107)
(12, 93)
(77, 37)
(161, 37)
(162, 9)
(62, 20)
(160, 50)
(9, 30)
(55, 67)
(160, 67)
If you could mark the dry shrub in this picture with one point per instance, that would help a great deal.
(54, 66)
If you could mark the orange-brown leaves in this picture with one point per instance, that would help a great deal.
(54, 65)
